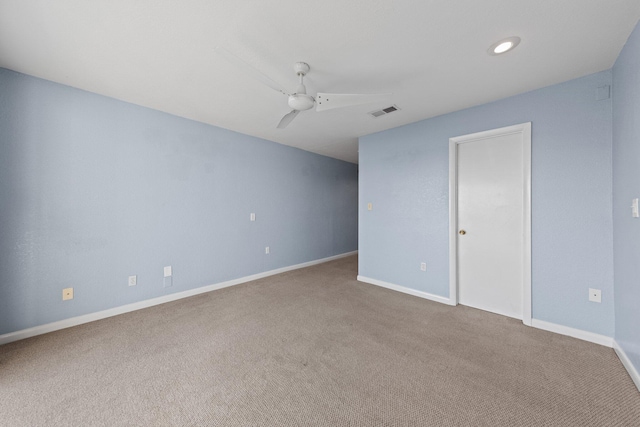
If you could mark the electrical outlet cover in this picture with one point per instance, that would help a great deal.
(595, 295)
(67, 294)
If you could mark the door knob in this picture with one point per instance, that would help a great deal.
(462, 232)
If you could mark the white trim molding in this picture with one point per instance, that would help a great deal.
(79, 320)
(538, 324)
(572, 332)
(405, 290)
(525, 130)
(626, 362)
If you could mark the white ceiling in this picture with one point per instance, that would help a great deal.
(431, 54)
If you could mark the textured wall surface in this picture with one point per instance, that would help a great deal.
(93, 190)
(404, 173)
(626, 186)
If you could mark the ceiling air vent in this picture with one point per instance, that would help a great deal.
(384, 111)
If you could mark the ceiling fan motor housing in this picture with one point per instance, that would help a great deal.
(301, 101)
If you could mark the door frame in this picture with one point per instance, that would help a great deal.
(525, 130)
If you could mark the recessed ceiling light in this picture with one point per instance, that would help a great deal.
(503, 46)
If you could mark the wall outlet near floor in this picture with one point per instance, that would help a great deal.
(595, 295)
(133, 280)
(423, 266)
(266, 250)
(67, 294)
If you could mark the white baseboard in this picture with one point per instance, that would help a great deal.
(86, 318)
(571, 332)
(540, 324)
(626, 362)
(409, 291)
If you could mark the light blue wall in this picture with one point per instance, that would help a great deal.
(626, 186)
(93, 190)
(404, 173)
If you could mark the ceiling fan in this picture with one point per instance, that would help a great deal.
(299, 100)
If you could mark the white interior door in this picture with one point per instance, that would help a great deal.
(491, 232)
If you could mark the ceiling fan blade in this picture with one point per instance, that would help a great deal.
(288, 118)
(250, 70)
(327, 101)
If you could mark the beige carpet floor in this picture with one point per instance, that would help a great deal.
(312, 347)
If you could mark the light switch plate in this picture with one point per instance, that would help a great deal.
(252, 217)
(603, 92)
(369, 206)
(167, 271)
(133, 280)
